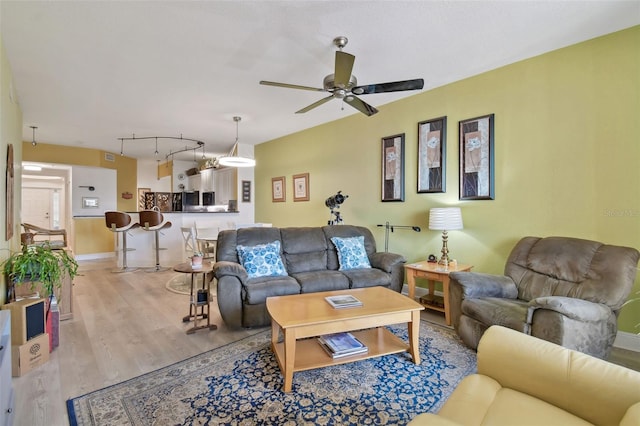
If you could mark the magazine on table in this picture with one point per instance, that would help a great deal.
(335, 355)
(343, 301)
(341, 344)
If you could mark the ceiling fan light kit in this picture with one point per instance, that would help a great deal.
(342, 84)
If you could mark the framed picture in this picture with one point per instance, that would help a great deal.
(301, 187)
(246, 191)
(393, 168)
(142, 205)
(278, 189)
(432, 150)
(476, 158)
(9, 194)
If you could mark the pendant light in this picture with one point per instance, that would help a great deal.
(233, 159)
(33, 140)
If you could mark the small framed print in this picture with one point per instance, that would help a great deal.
(301, 187)
(246, 191)
(432, 150)
(278, 189)
(476, 158)
(393, 168)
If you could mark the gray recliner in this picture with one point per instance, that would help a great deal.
(564, 290)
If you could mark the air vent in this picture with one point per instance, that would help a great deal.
(109, 157)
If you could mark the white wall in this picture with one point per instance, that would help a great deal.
(104, 182)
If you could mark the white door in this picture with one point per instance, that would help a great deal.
(41, 207)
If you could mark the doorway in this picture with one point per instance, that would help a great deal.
(45, 197)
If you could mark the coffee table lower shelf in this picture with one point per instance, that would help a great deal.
(310, 355)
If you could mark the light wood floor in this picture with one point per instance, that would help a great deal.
(125, 325)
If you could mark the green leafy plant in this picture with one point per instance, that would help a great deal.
(39, 264)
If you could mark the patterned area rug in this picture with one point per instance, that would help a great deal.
(241, 384)
(181, 284)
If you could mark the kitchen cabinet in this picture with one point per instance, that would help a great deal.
(207, 177)
(225, 185)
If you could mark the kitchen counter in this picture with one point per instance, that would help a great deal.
(171, 239)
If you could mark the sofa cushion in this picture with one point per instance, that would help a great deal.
(258, 289)
(311, 282)
(351, 253)
(346, 232)
(305, 249)
(494, 310)
(262, 260)
(359, 278)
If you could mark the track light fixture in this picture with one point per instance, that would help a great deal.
(195, 145)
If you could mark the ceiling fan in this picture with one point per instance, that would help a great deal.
(343, 85)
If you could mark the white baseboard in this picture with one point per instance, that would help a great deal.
(628, 341)
(624, 340)
(94, 256)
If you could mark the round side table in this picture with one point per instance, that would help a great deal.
(199, 298)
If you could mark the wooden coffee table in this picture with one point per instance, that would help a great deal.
(300, 316)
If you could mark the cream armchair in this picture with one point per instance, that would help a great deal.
(523, 380)
(564, 290)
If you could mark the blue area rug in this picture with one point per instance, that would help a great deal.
(241, 384)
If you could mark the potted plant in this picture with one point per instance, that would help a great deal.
(196, 259)
(39, 265)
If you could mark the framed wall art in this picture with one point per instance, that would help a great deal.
(246, 191)
(278, 189)
(476, 158)
(432, 141)
(301, 187)
(8, 205)
(393, 168)
(142, 204)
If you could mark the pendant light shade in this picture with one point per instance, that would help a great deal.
(233, 159)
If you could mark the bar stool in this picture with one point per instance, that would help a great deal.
(152, 220)
(121, 222)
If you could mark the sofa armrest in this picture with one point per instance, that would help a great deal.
(577, 309)
(477, 284)
(225, 269)
(385, 261)
(632, 416)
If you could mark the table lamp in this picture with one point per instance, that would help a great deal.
(445, 219)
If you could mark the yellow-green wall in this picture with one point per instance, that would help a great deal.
(566, 159)
(10, 133)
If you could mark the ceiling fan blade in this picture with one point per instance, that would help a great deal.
(344, 66)
(315, 104)
(396, 86)
(291, 86)
(360, 105)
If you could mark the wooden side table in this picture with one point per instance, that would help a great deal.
(433, 272)
(194, 301)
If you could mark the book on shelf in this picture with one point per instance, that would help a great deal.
(338, 345)
(343, 301)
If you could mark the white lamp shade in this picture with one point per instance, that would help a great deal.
(445, 218)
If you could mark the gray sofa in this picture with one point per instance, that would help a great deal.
(311, 263)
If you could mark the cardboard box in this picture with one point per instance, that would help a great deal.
(32, 354)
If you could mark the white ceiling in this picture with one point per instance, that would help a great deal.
(90, 72)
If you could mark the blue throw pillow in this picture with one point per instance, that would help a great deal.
(262, 260)
(351, 253)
